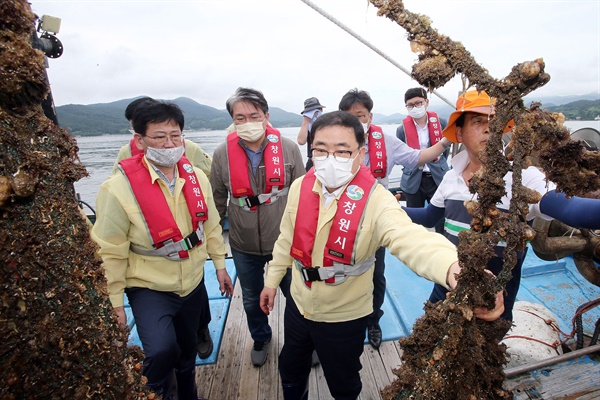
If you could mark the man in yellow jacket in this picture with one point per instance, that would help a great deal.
(330, 247)
(156, 225)
(199, 159)
(193, 151)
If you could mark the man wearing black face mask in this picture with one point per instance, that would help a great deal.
(251, 174)
(421, 130)
(156, 225)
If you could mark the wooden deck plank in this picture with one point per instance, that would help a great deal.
(227, 371)
(250, 375)
(574, 379)
(390, 357)
(269, 373)
(370, 374)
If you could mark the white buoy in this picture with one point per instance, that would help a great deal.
(533, 333)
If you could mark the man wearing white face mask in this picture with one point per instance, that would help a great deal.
(193, 151)
(422, 129)
(156, 225)
(251, 174)
(383, 152)
(336, 218)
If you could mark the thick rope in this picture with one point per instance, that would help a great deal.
(368, 44)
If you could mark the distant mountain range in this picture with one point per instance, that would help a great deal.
(108, 118)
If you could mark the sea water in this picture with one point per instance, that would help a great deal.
(98, 153)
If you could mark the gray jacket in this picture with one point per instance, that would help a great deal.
(253, 231)
(411, 177)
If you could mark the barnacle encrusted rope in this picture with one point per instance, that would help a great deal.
(448, 345)
(60, 338)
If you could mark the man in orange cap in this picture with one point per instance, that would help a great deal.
(469, 125)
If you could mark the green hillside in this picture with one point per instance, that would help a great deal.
(108, 118)
(585, 110)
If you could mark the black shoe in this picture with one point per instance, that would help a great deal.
(374, 335)
(205, 343)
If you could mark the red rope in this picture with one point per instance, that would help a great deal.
(553, 345)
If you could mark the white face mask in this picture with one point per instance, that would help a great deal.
(165, 157)
(365, 127)
(250, 131)
(333, 174)
(417, 112)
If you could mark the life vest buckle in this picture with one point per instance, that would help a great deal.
(310, 274)
(195, 238)
(251, 201)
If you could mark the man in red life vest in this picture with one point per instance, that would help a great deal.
(383, 152)
(199, 159)
(193, 151)
(329, 243)
(156, 225)
(422, 129)
(251, 174)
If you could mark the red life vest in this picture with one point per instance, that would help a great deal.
(434, 127)
(346, 222)
(153, 205)
(239, 173)
(377, 152)
(134, 149)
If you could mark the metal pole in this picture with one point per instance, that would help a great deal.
(554, 360)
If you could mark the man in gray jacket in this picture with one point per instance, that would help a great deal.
(250, 177)
(421, 129)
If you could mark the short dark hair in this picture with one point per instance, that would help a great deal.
(460, 121)
(130, 109)
(156, 112)
(340, 118)
(251, 96)
(415, 92)
(356, 96)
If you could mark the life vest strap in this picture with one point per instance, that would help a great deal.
(248, 202)
(171, 249)
(338, 270)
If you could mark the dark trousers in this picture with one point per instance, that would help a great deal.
(167, 326)
(250, 269)
(378, 287)
(424, 194)
(338, 345)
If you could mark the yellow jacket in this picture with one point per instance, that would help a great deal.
(385, 224)
(193, 152)
(119, 222)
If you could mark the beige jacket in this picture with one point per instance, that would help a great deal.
(385, 224)
(119, 223)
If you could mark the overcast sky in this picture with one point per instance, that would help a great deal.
(206, 49)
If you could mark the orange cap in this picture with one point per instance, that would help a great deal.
(471, 101)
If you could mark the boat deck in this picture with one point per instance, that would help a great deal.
(234, 376)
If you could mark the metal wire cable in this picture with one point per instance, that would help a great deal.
(368, 44)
